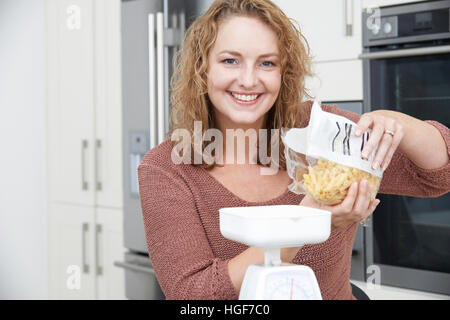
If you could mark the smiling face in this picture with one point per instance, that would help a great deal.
(244, 73)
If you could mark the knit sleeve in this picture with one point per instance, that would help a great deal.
(182, 258)
(403, 177)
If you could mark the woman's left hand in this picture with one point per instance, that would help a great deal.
(387, 132)
(356, 207)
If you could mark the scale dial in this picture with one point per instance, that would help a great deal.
(290, 286)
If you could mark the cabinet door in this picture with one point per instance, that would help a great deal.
(337, 81)
(71, 252)
(70, 101)
(109, 242)
(331, 27)
(108, 111)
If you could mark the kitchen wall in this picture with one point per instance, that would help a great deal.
(23, 185)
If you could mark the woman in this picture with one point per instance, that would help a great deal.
(243, 66)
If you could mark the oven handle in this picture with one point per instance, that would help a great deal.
(404, 53)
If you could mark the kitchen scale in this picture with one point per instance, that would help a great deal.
(272, 228)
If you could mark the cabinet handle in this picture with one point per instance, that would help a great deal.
(84, 183)
(97, 249)
(98, 165)
(348, 7)
(84, 231)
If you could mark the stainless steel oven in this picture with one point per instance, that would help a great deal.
(406, 63)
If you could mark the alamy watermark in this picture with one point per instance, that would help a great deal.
(241, 147)
(373, 21)
(373, 277)
(73, 281)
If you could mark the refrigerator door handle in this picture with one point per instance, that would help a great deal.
(160, 76)
(152, 79)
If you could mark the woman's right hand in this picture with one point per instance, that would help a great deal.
(356, 207)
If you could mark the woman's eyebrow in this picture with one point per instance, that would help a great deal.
(235, 53)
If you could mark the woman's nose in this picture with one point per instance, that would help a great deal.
(248, 77)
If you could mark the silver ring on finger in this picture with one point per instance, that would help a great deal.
(390, 132)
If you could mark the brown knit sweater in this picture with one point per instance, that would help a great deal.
(180, 208)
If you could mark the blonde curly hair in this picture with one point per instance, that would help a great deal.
(189, 92)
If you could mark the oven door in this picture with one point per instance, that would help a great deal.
(409, 238)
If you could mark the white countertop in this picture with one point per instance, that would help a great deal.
(383, 292)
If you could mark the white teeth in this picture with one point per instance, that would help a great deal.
(244, 97)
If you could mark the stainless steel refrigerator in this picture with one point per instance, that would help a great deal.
(152, 32)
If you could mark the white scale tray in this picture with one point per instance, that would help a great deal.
(275, 226)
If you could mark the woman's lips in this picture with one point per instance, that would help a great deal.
(243, 102)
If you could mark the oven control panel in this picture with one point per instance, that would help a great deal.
(386, 28)
(408, 23)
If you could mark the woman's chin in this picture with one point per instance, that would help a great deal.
(247, 122)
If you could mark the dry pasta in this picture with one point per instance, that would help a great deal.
(328, 182)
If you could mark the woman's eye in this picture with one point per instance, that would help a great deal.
(268, 64)
(230, 61)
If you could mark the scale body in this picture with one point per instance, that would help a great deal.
(272, 228)
(284, 282)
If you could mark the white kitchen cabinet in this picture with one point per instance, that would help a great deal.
(333, 31)
(83, 251)
(84, 147)
(108, 104)
(70, 107)
(337, 81)
(331, 27)
(84, 102)
(110, 279)
(71, 252)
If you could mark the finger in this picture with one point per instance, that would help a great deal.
(388, 158)
(364, 123)
(375, 137)
(394, 146)
(383, 148)
(373, 205)
(349, 201)
(362, 203)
